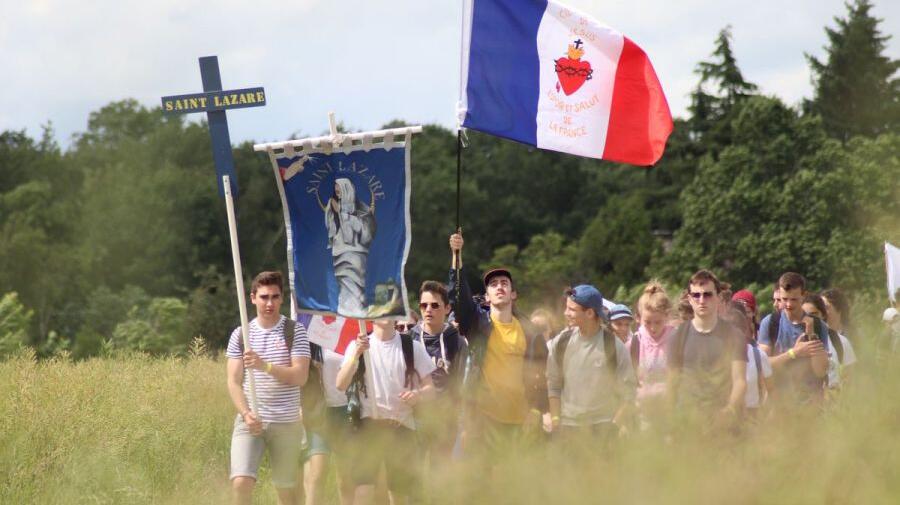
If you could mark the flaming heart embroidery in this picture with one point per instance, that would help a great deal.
(571, 70)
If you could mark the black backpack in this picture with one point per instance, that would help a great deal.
(312, 397)
(609, 348)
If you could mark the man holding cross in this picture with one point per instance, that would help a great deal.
(278, 357)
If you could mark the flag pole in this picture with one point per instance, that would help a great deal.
(367, 376)
(239, 283)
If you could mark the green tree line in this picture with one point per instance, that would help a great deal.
(121, 241)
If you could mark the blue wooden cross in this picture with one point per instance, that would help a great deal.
(214, 101)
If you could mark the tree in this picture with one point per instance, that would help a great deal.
(856, 92)
(783, 197)
(14, 322)
(711, 111)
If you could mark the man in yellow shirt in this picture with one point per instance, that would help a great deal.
(506, 380)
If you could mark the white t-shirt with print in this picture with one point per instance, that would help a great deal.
(834, 368)
(388, 369)
(751, 397)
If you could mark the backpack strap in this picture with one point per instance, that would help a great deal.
(559, 351)
(609, 348)
(774, 329)
(290, 326)
(635, 352)
(837, 344)
(411, 376)
(681, 341)
(760, 380)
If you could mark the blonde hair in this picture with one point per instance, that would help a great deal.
(654, 299)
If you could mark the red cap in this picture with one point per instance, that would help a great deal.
(747, 298)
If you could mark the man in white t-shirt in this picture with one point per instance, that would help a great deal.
(387, 434)
(278, 358)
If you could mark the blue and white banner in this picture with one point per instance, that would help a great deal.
(348, 229)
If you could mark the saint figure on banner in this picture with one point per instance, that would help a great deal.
(351, 228)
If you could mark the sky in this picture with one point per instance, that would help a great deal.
(369, 61)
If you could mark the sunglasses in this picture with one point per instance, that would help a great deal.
(404, 327)
(696, 295)
(433, 305)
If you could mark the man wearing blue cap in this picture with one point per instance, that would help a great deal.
(590, 378)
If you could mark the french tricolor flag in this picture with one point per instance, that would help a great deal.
(544, 74)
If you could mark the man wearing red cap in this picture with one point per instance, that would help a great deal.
(506, 380)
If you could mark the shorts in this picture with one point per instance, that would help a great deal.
(385, 441)
(283, 441)
(329, 438)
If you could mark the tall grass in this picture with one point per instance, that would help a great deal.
(135, 429)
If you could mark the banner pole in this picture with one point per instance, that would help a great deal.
(367, 376)
(239, 283)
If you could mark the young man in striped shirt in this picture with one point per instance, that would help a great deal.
(279, 372)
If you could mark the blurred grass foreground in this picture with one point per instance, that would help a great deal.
(130, 428)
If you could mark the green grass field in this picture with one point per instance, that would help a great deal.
(134, 429)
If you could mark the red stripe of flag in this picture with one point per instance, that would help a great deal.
(639, 119)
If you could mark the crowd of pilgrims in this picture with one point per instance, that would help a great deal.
(469, 376)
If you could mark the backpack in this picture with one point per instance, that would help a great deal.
(775, 333)
(609, 348)
(312, 397)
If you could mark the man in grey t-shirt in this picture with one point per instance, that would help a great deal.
(590, 379)
(707, 358)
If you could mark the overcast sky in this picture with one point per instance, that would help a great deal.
(370, 61)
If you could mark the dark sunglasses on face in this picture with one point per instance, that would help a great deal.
(696, 295)
(403, 326)
(433, 305)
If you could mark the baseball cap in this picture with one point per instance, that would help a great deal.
(490, 274)
(889, 314)
(747, 298)
(619, 311)
(589, 297)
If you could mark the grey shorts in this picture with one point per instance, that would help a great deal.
(284, 441)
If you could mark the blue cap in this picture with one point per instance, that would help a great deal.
(619, 311)
(588, 297)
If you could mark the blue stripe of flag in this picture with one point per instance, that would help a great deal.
(504, 73)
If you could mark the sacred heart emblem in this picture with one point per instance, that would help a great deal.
(571, 70)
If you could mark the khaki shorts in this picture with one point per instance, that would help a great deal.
(284, 441)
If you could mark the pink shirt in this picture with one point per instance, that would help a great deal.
(651, 370)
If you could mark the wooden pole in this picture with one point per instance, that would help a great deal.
(239, 283)
(368, 377)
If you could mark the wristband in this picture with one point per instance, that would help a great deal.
(269, 368)
(792, 354)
